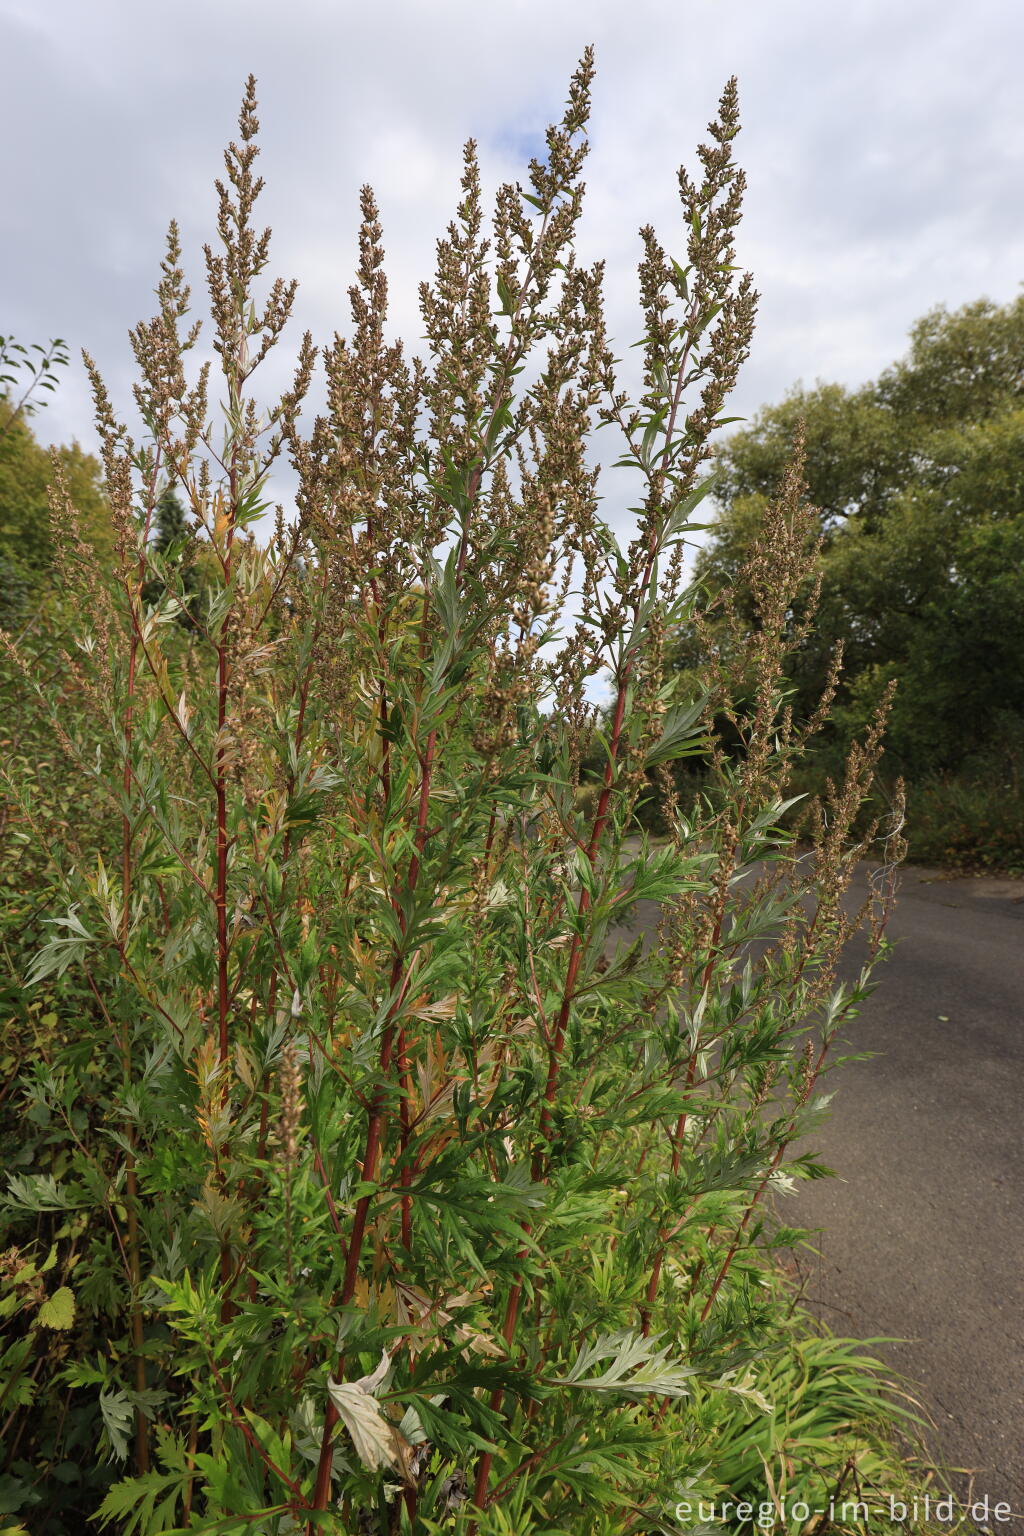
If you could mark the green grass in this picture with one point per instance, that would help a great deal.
(821, 1423)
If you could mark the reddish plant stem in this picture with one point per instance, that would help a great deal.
(251, 1439)
(374, 1137)
(699, 1267)
(741, 1229)
(171, 715)
(426, 779)
(385, 746)
(557, 1042)
(652, 1291)
(221, 889)
(709, 970)
(376, 1126)
(318, 1164)
(221, 881)
(404, 1115)
(220, 765)
(677, 1136)
(508, 1329)
(261, 1146)
(537, 1170)
(404, 1072)
(131, 1175)
(780, 1152)
(597, 830)
(264, 1130)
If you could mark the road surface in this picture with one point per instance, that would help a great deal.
(922, 1232)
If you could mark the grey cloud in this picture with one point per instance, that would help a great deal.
(882, 146)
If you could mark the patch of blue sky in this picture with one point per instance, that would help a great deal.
(520, 145)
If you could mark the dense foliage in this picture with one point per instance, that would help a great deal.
(26, 554)
(919, 482)
(361, 1180)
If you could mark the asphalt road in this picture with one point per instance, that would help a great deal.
(921, 1235)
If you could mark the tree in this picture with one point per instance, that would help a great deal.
(918, 479)
(26, 541)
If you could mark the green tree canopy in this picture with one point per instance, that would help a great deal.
(171, 544)
(919, 482)
(26, 536)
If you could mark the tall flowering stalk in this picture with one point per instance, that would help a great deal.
(441, 1200)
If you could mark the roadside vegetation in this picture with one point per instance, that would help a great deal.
(917, 480)
(358, 1180)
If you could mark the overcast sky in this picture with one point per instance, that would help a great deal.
(883, 142)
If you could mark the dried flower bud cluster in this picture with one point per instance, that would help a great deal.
(289, 1083)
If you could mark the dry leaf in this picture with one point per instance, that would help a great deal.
(377, 1441)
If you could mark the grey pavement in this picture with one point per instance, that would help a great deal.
(921, 1234)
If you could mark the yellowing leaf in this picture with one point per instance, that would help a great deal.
(377, 1441)
(58, 1311)
(746, 1389)
(243, 1067)
(444, 1008)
